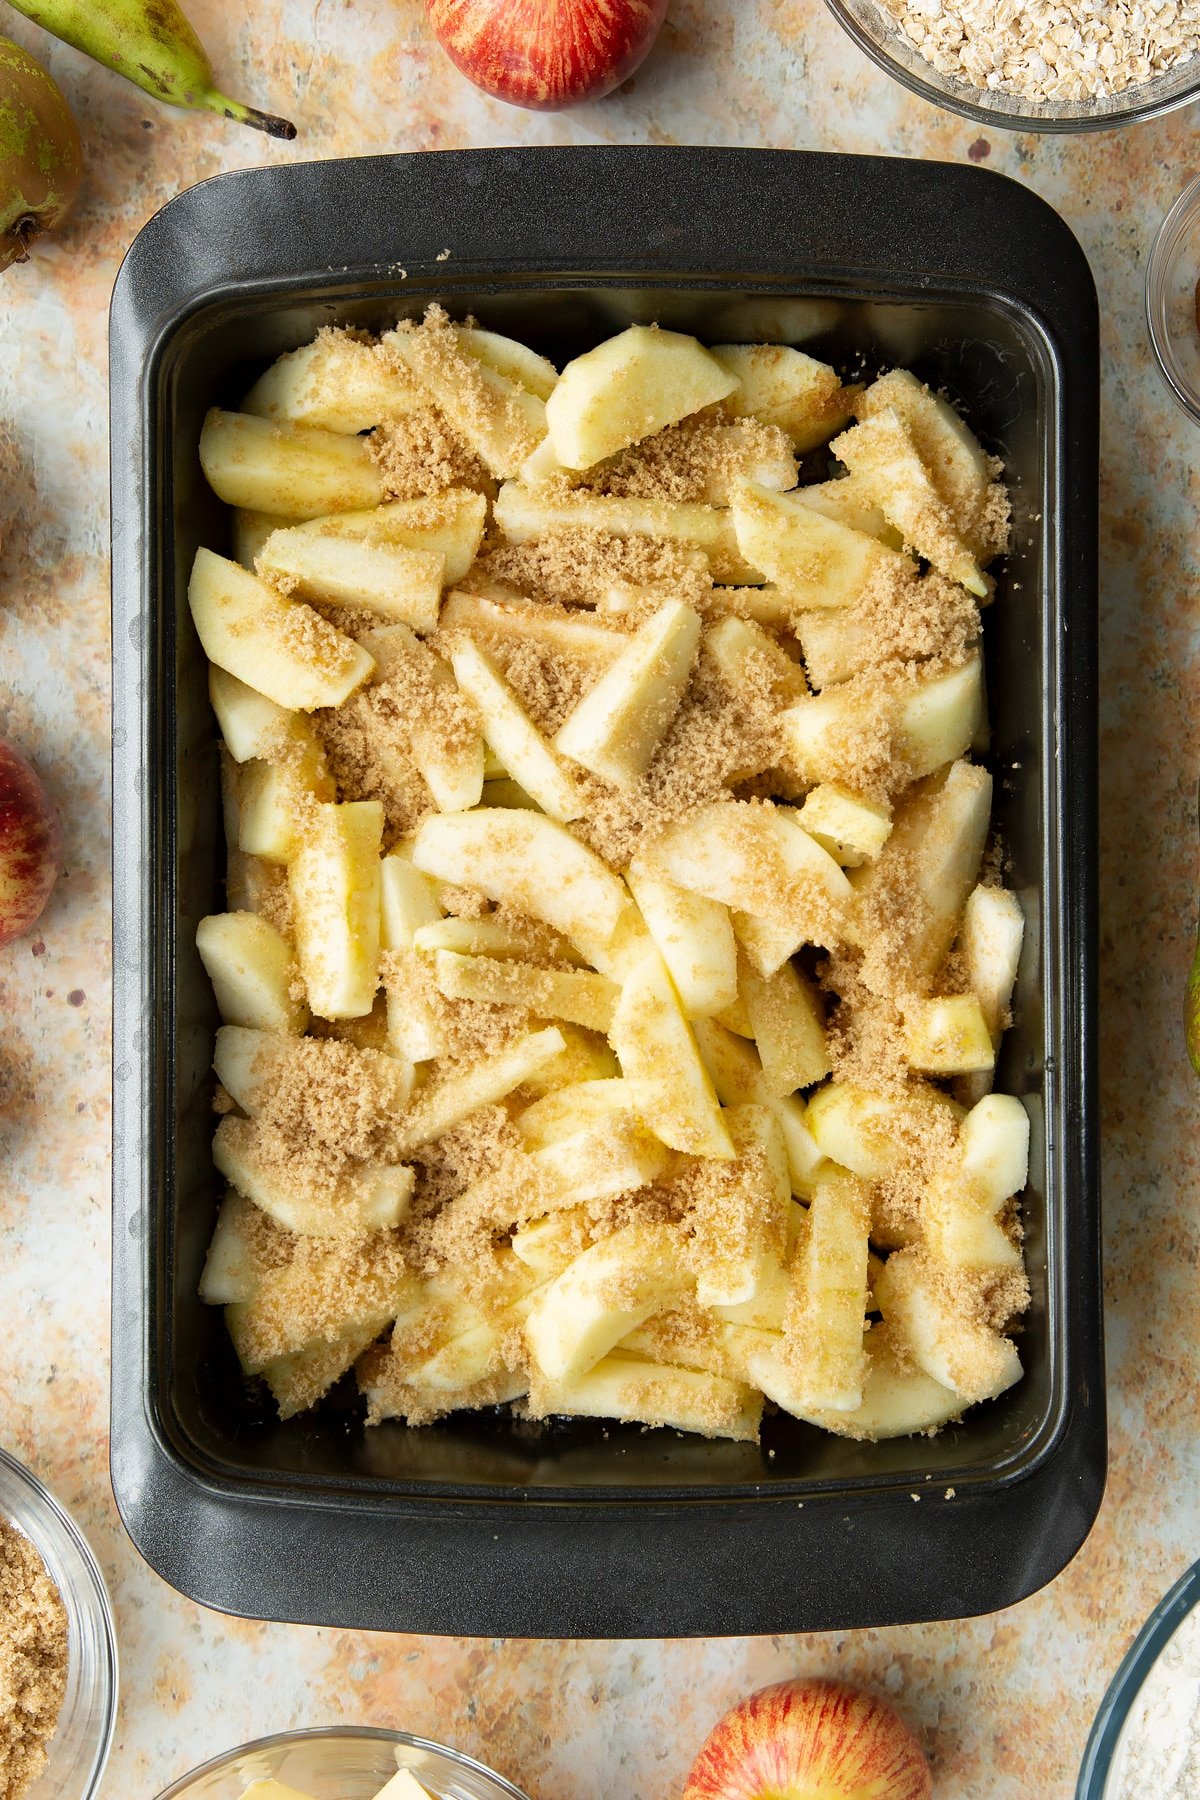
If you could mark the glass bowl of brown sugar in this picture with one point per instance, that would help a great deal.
(58, 1653)
(1017, 68)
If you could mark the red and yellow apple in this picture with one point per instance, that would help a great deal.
(810, 1740)
(546, 54)
(31, 845)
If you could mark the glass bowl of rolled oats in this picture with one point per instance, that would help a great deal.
(58, 1657)
(1036, 65)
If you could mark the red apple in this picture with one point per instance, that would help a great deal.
(546, 54)
(31, 846)
(810, 1740)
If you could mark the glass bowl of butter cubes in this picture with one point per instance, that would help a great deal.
(342, 1764)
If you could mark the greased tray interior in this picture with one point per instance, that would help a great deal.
(217, 1449)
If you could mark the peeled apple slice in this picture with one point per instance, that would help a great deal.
(626, 389)
(620, 723)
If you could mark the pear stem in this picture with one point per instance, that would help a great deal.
(249, 115)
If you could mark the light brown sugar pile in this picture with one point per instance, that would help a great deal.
(1046, 50)
(33, 1661)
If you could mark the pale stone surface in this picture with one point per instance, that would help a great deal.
(1003, 1703)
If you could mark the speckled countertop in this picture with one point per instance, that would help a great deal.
(1002, 1703)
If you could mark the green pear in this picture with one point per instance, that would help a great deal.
(151, 43)
(41, 158)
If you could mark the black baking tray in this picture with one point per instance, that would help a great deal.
(482, 1524)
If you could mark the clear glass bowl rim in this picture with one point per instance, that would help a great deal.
(1127, 1683)
(93, 1597)
(1181, 213)
(285, 1739)
(938, 93)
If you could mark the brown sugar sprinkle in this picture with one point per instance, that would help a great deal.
(34, 1650)
(326, 1107)
(314, 641)
(712, 740)
(580, 566)
(436, 358)
(367, 745)
(420, 454)
(915, 618)
(701, 459)
(467, 1029)
(309, 1289)
(547, 683)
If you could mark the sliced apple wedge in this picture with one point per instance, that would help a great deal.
(334, 882)
(450, 524)
(848, 500)
(948, 1036)
(881, 452)
(785, 387)
(694, 937)
(512, 734)
(579, 996)
(232, 1267)
(276, 797)
(752, 663)
(898, 1399)
(933, 719)
(826, 1315)
(509, 357)
(942, 1338)
(752, 856)
(338, 382)
(627, 388)
(602, 1295)
(933, 858)
(251, 725)
(649, 1393)
(620, 723)
(993, 927)
(375, 1199)
(789, 1027)
(531, 862)
(853, 830)
(383, 578)
(739, 1220)
(959, 1215)
(445, 739)
(575, 1108)
(526, 621)
(513, 938)
(815, 560)
(293, 471)
(451, 1098)
(948, 448)
(526, 514)
(660, 1061)
(250, 531)
(407, 901)
(253, 972)
(279, 646)
(499, 418)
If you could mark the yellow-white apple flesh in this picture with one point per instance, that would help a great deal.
(293, 471)
(810, 1739)
(627, 388)
(620, 723)
(530, 862)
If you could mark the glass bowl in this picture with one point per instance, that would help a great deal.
(877, 33)
(342, 1764)
(1101, 1776)
(1171, 277)
(78, 1750)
